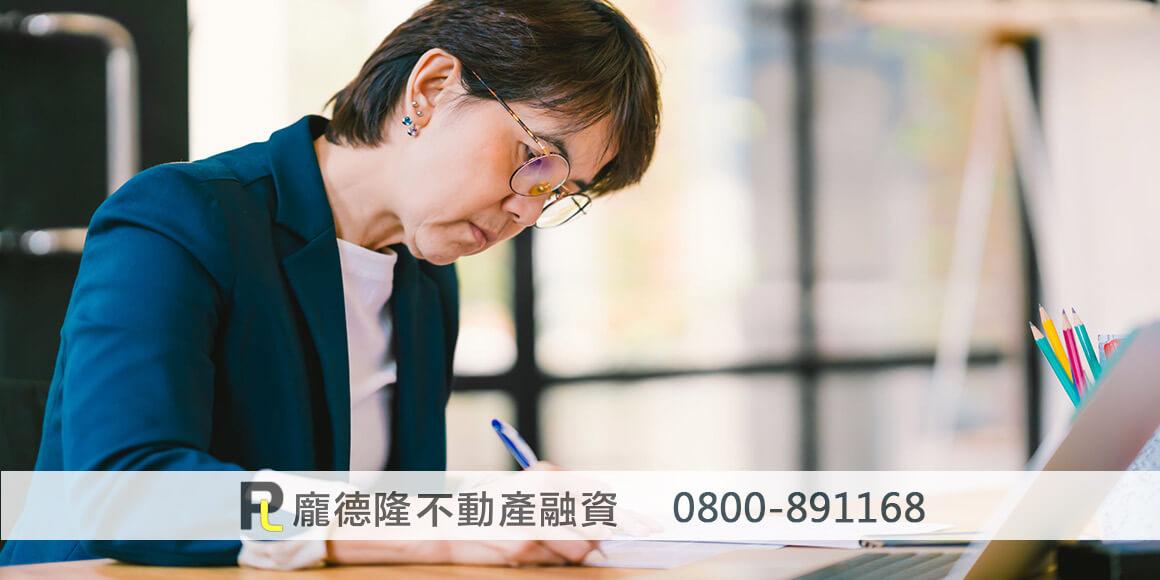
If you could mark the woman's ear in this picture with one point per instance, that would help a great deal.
(434, 83)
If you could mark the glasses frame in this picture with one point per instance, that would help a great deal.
(560, 192)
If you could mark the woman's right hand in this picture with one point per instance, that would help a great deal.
(476, 552)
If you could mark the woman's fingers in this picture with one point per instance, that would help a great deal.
(531, 552)
(541, 553)
(572, 551)
(504, 553)
(488, 553)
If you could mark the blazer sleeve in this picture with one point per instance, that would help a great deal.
(138, 374)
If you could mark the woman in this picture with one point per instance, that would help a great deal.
(291, 305)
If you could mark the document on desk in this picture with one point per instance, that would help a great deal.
(625, 552)
(663, 554)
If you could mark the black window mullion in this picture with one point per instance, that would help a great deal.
(794, 366)
(799, 19)
(526, 379)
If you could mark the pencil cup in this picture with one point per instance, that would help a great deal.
(1129, 510)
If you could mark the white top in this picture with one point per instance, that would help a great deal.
(367, 280)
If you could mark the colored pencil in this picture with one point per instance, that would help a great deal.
(1045, 348)
(1110, 348)
(1085, 341)
(1053, 339)
(1077, 373)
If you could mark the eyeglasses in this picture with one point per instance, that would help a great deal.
(544, 174)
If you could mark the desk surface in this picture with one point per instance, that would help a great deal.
(780, 563)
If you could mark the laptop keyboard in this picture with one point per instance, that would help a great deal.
(883, 565)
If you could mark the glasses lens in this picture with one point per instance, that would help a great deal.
(540, 175)
(561, 210)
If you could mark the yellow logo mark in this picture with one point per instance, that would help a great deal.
(266, 525)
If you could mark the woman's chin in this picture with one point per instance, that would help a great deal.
(441, 258)
(443, 254)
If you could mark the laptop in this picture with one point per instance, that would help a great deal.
(1112, 426)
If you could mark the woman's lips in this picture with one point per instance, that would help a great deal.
(480, 237)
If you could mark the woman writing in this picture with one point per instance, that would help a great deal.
(292, 304)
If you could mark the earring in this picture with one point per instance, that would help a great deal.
(412, 128)
(415, 105)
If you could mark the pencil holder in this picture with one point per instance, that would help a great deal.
(1130, 509)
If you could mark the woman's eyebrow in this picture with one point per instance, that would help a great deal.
(558, 143)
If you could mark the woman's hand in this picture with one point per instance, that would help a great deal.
(477, 552)
(522, 552)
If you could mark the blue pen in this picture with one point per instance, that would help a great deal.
(515, 444)
(522, 452)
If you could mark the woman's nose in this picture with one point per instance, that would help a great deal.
(525, 210)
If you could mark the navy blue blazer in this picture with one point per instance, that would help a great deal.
(206, 331)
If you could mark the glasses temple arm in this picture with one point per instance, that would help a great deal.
(539, 143)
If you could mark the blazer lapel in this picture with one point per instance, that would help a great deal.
(315, 274)
(418, 439)
(313, 269)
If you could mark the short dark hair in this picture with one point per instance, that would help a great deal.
(580, 58)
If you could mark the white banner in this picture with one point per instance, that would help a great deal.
(752, 506)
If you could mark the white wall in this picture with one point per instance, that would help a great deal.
(1102, 122)
(259, 65)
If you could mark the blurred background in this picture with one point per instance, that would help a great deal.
(773, 295)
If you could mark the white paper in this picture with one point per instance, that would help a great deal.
(624, 552)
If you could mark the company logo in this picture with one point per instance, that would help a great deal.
(263, 507)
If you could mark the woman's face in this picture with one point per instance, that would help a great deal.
(457, 200)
